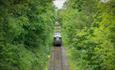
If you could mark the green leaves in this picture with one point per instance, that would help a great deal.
(26, 29)
(88, 33)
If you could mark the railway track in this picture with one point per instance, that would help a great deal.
(58, 59)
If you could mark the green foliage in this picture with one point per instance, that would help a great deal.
(88, 28)
(26, 28)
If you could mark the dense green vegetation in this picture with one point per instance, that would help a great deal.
(25, 34)
(88, 28)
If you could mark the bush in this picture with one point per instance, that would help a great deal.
(88, 32)
(26, 29)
